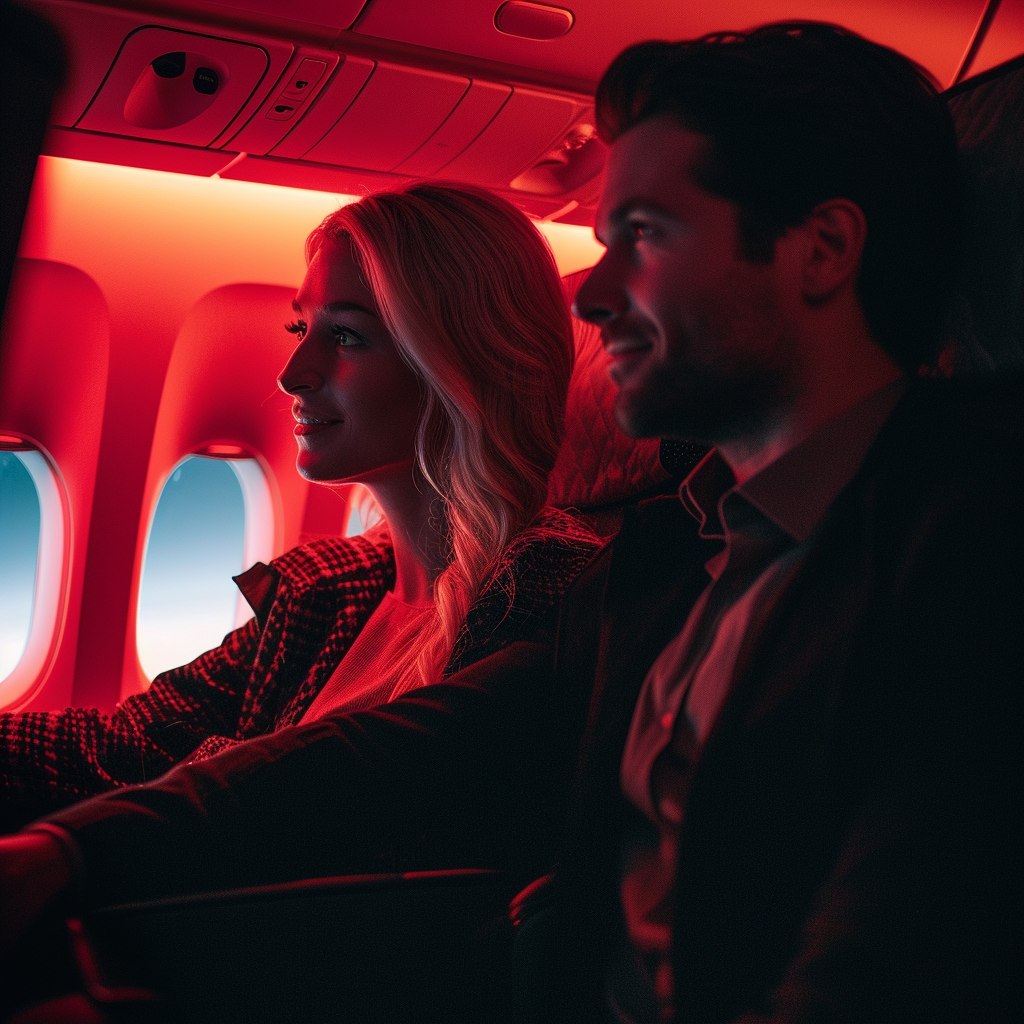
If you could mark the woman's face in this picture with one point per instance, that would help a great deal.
(356, 402)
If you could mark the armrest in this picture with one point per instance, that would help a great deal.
(356, 948)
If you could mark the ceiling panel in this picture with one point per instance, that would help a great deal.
(935, 33)
(337, 14)
(1004, 38)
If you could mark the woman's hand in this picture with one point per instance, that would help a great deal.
(33, 872)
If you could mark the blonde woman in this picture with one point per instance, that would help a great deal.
(432, 362)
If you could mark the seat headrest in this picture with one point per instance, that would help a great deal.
(988, 301)
(597, 463)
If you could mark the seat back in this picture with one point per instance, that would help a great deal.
(599, 468)
(988, 303)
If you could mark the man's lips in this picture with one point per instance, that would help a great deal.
(623, 356)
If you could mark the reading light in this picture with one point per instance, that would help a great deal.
(532, 21)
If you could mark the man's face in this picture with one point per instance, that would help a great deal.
(698, 335)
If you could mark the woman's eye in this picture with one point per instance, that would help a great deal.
(297, 327)
(344, 338)
(640, 229)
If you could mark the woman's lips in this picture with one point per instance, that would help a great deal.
(307, 426)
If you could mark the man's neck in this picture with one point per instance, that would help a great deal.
(827, 392)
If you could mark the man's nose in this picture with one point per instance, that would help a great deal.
(601, 296)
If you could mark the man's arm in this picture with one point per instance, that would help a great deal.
(469, 773)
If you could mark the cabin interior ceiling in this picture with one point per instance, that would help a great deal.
(159, 218)
(411, 87)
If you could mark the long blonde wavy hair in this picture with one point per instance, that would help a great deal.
(470, 293)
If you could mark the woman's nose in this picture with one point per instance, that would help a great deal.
(298, 375)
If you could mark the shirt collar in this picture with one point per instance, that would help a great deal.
(796, 490)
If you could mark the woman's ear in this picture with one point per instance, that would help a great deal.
(833, 242)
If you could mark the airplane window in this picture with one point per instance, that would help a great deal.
(19, 552)
(364, 511)
(213, 519)
(33, 564)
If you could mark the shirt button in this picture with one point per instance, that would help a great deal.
(667, 721)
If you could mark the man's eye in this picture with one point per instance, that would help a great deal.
(345, 338)
(640, 229)
(297, 327)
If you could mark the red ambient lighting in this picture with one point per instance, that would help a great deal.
(12, 443)
(223, 451)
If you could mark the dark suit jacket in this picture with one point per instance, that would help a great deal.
(850, 845)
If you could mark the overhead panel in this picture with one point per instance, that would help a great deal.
(288, 101)
(933, 32)
(475, 111)
(92, 37)
(528, 125)
(1003, 40)
(332, 103)
(396, 112)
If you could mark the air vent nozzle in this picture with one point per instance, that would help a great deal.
(173, 89)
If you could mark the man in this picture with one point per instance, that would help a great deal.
(799, 793)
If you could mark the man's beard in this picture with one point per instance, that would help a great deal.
(709, 404)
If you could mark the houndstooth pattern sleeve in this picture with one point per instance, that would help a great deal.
(52, 758)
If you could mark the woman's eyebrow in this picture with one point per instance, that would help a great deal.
(340, 307)
(350, 307)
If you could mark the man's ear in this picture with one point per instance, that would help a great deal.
(833, 235)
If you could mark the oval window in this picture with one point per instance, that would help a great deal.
(213, 519)
(19, 556)
(33, 559)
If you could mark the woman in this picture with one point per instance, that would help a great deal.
(432, 363)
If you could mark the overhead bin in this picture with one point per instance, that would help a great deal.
(475, 111)
(397, 110)
(525, 128)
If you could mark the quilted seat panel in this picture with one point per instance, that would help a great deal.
(597, 463)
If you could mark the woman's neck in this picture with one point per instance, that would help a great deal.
(413, 510)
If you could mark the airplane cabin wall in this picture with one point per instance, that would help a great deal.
(155, 245)
(53, 377)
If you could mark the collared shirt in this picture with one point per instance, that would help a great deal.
(765, 524)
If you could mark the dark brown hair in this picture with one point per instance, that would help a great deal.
(797, 113)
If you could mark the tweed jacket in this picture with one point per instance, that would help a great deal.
(311, 603)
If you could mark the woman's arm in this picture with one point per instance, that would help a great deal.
(51, 759)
